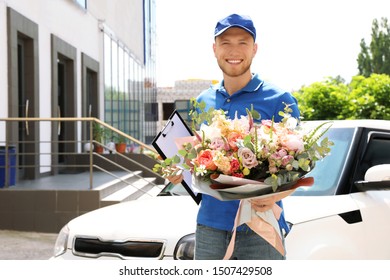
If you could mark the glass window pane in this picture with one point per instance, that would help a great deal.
(129, 82)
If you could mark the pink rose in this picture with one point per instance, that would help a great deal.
(293, 142)
(234, 165)
(218, 144)
(287, 159)
(248, 158)
(282, 153)
(273, 169)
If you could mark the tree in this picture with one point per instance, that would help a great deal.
(325, 100)
(369, 97)
(332, 99)
(375, 58)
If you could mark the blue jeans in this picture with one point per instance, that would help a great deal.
(211, 244)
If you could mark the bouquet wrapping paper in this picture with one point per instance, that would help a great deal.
(264, 223)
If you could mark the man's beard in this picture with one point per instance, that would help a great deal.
(228, 71)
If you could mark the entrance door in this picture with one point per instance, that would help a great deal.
(90, 94)
(23, 106)
(23, 92)
(64, 104)
(61, 131)
(26, 98)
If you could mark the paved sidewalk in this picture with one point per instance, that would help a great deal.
(19, 245)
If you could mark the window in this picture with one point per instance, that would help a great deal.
(151, 112)
(168, 109)
(377, 152)
(129, 83)
(183, 107)
(124, 90)
(327, 171)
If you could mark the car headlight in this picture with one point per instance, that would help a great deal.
(61, 242)
(185, 248)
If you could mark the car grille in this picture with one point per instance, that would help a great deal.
(129, 249)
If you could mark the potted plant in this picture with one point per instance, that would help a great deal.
(120, 143)
(99, 136)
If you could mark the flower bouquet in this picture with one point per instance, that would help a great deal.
(238, 158)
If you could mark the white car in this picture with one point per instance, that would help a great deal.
(344, 215)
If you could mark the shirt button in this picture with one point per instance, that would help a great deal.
(228, 100)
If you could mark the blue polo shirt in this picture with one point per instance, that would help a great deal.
(266, 99)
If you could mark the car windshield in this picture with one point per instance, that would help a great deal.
(326, 172)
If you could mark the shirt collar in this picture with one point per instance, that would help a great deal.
(254, 85)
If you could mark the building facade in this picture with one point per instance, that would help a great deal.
(76, 58)
(178, 98)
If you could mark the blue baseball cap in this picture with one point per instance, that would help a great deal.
(234, 20)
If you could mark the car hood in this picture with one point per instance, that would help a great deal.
(159, 218)
(170, 218)
(156, 217)
(299, 209)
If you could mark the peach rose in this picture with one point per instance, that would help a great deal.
(205, 158)
(232, 139)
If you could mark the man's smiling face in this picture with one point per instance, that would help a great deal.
(234, 49)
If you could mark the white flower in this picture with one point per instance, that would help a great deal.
(210, 132)
(201, 170)
(291, 123)
(240, 124)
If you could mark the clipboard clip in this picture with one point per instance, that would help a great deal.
(167, 128)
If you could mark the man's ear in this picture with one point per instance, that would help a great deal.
(214, 49)
(255, 47)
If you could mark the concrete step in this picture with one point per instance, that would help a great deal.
(153, 192)
(118, 184)
(129, 192)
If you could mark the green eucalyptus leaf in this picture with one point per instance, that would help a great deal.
(176, 159)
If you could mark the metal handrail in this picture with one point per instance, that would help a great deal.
(9, 142)
(87, 119)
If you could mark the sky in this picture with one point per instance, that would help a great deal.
(299, 41)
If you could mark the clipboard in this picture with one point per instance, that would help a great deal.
(165, 145)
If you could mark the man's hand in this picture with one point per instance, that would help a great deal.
(177, 173)
(263, 204)
(175, 179)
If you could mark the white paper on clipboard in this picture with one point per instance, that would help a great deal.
(165, 145)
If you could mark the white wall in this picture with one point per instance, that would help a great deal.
(79, 28)
(116, 14)
(3, 67)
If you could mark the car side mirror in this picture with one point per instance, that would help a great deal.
(376, 178)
